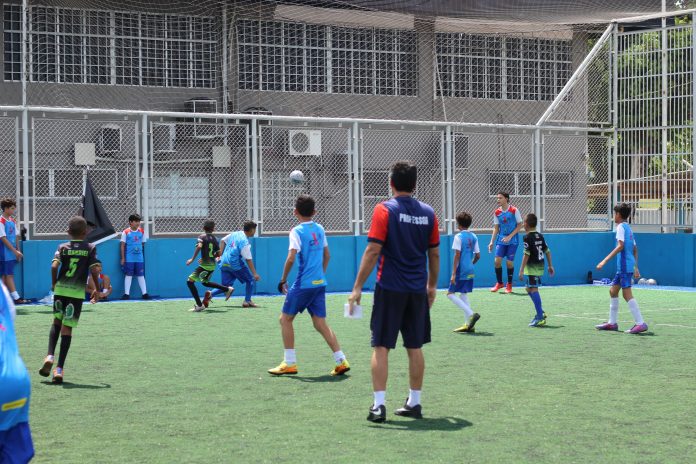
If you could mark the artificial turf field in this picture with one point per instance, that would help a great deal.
(154, 383)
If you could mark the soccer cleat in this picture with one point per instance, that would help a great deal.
(125, 296)
(228, 293)
(21, 301)
(508, 288)
(146, 296)
(638, 328)
(536, 322)
(283, 369)
(464, 329)
(249, 304)
(497, 287)
(607, 326)
(207, 297)
(197, 309)
(58, 375)
(410, 411)
(45, 370)
(341, 369)
(378, 414)
(472, 321)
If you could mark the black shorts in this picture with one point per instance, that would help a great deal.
(394, 312)
(67, 310)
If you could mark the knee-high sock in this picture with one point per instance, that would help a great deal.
(127, 285)
(536, 298)
(613, 310)
(633, 306)
(53, 338)
(141, 283)
(250, 286)
(499, 275)
(194, 292)
(64, 347)
(215, 285)
(510, 272)
(461, 303)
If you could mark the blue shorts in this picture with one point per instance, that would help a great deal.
(394, 312)
(507, 251)
(229, 275)
(532, 281)
(311, 299)
(7, 267)
(134, 269)
(16, 445)
(625, 279)
(461, 286)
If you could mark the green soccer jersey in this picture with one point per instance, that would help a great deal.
(76, 257)
(535, 248)
(209, 250)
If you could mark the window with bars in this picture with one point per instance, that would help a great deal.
(107, 47)
(176, 195)
(519, 183)
(294, 57)
(500, 68)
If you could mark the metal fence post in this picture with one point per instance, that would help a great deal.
(256, 207)
(449, 182)
(145, 174)
(536, 180)
(355, 178)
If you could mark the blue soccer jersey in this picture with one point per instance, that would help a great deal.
(14, 378)
(507, 221)
(625, 261)
(237, 251)
(134, 240)
(467, 244)
(309, 239)
(8, 229)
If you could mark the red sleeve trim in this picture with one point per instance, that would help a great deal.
(380, 224)
(434, 234)
(498, 212)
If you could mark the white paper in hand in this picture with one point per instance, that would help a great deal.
(357, 311)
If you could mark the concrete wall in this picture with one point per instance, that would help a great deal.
(574, 254)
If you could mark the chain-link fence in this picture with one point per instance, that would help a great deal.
(198, 170)
(323, 155)
(63, 151)
(9, 159)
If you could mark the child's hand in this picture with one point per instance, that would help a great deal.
(521, 276)
(188, 262)
(490, 247)
(452, 280)
(552, 271)
(636, 273)
(18, 254)
(601, 264)
(507, 239)
(123, 261)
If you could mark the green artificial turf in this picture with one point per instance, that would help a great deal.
(154, 383)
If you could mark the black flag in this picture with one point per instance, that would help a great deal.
(93, 212)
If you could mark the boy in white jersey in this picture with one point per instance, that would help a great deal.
(626, 252)
(308, 242)
(466, 254)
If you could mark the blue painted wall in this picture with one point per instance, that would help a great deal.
(670, 259)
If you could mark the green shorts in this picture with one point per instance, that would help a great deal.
(201, 274)
(67, 310)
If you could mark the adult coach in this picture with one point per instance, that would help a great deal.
(404, 239)
(507, 222)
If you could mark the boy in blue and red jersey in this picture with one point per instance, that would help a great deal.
(133, 256)
(466, 254)
(9, 251)
(507, 222)
(626, 252)
(308, 244)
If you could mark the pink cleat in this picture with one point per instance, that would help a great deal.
(638, 328)
(607, 326)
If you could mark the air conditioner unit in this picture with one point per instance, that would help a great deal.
(304, 142)
(203, 128)
(164, 137)
(110, 138)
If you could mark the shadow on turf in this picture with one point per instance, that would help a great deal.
(444, 424)
(319, 378)
(549, 327)
(477, 334)
(70, 385)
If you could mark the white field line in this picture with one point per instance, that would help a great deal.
(601, 319)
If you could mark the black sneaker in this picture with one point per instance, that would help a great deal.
(125, 297)
(409, 411)
(472, 321)
(146, 297)
(378, 415)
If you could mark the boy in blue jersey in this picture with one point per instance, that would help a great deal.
(626, 252)
(16, 445)
(533, 266)
(309, 246)
(133, 256)
(102, 285)
(466, 254)
(9, 251)
(507, 222)
(236, 262)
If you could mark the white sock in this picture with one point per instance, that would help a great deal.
(633, 306)
(141, 282)
(380, 398)
(127, 285)
(290, 357)
(339, 356)
(613, 310)
(14, 295)
(462, 303)
(413, 398)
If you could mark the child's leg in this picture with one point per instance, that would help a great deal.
(10, 284)
(249, 290)
(65, 339)
(533, 293)
(510, 269)
(127, 284)
(323, 328)
(142, 285)
(499, 269)
(288, 333)
(194, 292)
(614, 304)
(53, 336)
(215, 285)
(227, 281)
(462, 302)
(633, 305)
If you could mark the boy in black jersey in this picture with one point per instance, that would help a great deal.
(210, 250)
(72, 263)
(533, 266)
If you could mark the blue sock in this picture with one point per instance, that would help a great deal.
(536, 298)
(249, 290)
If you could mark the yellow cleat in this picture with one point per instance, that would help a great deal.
(341, 369)
(464, 329)
(283, 369)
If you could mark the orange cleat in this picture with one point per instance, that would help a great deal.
(497, 287)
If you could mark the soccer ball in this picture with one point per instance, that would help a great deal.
(296, 177)
(652, 282)
(641, 281)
